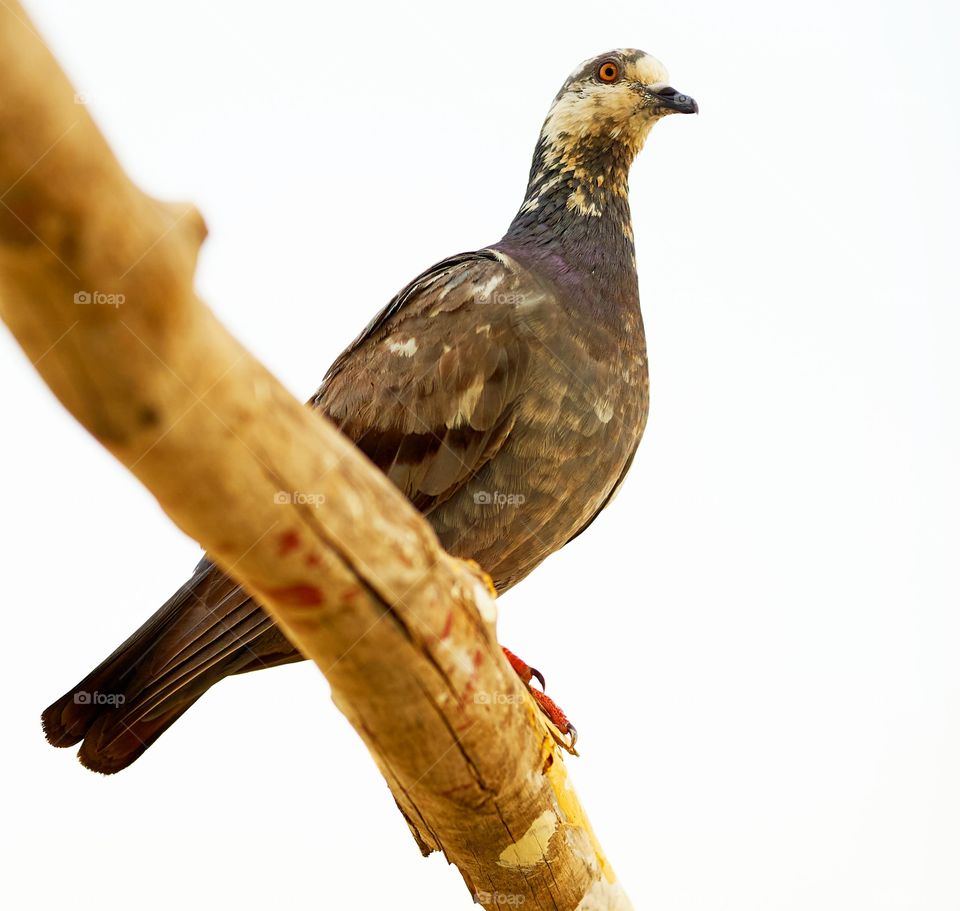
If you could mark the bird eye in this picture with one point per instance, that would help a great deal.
(608, 72)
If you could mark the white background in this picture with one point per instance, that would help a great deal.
(758, 641)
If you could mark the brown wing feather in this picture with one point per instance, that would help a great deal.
(428, 391)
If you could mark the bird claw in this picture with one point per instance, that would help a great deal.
(562, 731)
(524, 671)
(535, 673)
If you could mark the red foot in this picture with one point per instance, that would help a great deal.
(556, 715)
(547, 705)
(524, 671)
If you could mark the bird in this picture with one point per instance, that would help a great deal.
(504, 391)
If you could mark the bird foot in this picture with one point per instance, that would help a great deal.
(524, 671)
(562, 730)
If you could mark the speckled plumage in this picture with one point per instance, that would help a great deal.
(504, 391)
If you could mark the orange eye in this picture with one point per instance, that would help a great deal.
(608, 72)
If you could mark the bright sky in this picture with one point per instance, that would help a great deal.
(758, 641)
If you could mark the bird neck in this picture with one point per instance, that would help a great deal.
(576, 214)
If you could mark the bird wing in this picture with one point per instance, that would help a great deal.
(428, 391)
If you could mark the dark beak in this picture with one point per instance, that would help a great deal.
(672, 100)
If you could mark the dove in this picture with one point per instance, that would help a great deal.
(504, 391)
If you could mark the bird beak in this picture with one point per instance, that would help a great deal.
(672, 100)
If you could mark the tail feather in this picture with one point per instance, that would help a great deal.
(110, 746)
(206, 631)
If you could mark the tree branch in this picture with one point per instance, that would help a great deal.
(96, 283)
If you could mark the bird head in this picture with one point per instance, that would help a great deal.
(596, 125)
(610, 102)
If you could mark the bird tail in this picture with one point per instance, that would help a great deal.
(210, 628)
